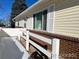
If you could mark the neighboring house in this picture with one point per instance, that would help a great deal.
(55, 16)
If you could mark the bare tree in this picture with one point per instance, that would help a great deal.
(17, 7)
(1, 23)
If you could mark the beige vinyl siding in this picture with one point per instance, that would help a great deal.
(21, 23)
(67, 17)
(16, 24)
(29, 23)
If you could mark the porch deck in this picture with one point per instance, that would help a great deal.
(10, 48)
(48, 45)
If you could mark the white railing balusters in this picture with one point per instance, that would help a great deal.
(27, 41)
(19, 37)
(55, 48)
(35, 38)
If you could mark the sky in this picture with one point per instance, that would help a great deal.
(6, 5)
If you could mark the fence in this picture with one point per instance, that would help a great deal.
(54, 46)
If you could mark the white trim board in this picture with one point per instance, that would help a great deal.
(47, 40)
(41, 49)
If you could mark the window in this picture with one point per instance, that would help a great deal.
(44, 19)
(18, 24)
(25, 23)
(40, 20)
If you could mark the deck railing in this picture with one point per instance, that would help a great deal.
(51, 45)
(54, 46)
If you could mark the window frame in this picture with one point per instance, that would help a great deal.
(42, 22)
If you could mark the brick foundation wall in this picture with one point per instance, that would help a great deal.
(69, 50)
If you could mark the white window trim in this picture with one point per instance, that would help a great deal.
(53, 18)
(52, 5)
(42, 19)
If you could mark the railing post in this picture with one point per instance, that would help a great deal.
(27, 41)
(19, 37)
(55, 48)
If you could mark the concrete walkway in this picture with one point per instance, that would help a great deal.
(10, 48)
(3, 34)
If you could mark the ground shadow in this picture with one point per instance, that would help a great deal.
(9, 50)
(3, 34)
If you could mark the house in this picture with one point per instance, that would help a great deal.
(62, 16)
(26, 19)
(53, 16)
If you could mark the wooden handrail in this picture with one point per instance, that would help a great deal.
(53, 35)
(41, 43)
